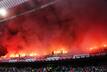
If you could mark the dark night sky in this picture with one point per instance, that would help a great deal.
(72, 25)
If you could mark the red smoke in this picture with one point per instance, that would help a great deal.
(71, 26)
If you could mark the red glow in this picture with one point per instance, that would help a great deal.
(62, 28)
(97, 49)
(61, 51)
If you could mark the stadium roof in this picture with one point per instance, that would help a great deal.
(11, 3)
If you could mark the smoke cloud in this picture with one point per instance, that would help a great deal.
(72, 25)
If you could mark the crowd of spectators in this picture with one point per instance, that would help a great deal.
(15, 69)
(101, 68)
